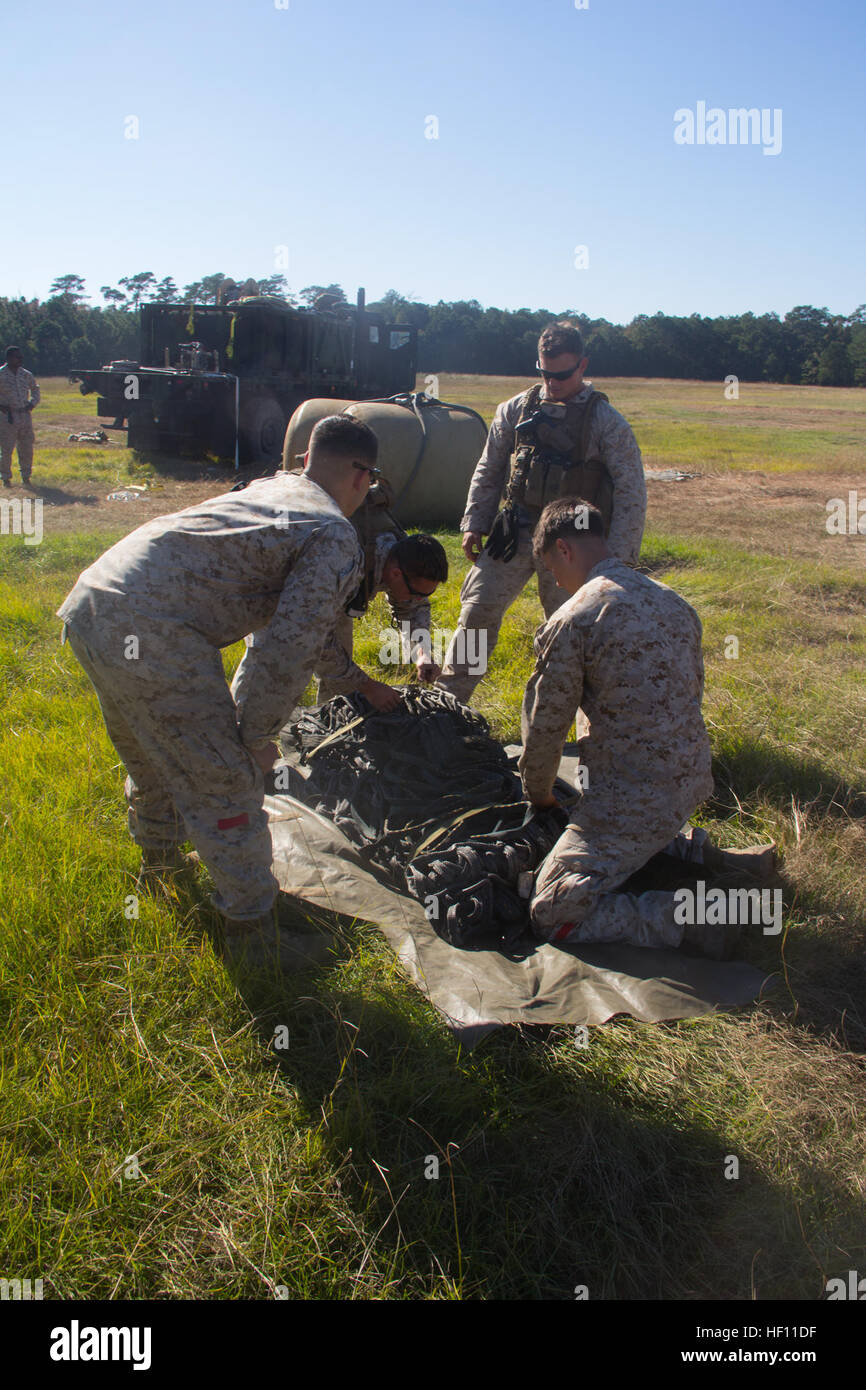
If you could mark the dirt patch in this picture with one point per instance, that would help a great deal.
(775, 513)
(84, 505)
(760, 512)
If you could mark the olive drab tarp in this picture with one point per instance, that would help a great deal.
(368, 853)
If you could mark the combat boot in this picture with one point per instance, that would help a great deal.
(715, 940)
(261, 943)
(756, 864)
(161, 865)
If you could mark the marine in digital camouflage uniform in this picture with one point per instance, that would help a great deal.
(19, 396)
(147, 622)
(606, 438)
(625, 653)
(408, 569)
(337, 671)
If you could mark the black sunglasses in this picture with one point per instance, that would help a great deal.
(368, 468)
(416, 593)
(556, 376)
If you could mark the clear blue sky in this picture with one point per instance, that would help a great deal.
(305, 127)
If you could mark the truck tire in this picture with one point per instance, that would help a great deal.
(263, 429)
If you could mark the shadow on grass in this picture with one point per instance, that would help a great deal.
(522, 1176)
(821, 965)
(179, 469)
(752, 769)
(825, 959)
(57, 497)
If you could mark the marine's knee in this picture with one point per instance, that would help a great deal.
(563, 894)
(479, 623)
(555, 920)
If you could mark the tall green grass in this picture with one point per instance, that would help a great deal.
(127, 1047)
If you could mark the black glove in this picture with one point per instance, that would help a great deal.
(504, 535)
(357, 605)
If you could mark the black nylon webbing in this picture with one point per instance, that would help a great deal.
(432, 801)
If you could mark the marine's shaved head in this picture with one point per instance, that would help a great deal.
(341, 457)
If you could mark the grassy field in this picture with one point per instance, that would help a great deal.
(691, 424)
(154, 1144)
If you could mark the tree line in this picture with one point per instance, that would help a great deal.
(807, 346)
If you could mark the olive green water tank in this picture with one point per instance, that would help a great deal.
(428, 450)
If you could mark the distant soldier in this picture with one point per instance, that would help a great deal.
(567, 441)
(19, 394)
(147, 621)
(409, 570)
(625, 653)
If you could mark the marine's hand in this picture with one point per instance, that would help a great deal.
(428, 671)
(472, 545)
(381, 696)
(266, 756)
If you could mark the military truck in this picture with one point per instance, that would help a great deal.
(224, 379)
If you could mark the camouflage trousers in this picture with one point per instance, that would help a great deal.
(489, 589)
(575, 899)
(17, 435)
(174, 725)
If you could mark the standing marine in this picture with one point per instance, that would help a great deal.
(19, 396)
(561, 438)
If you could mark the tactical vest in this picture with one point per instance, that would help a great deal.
(372, 519)
(550, 458)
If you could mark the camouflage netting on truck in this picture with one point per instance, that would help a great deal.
(434, 803)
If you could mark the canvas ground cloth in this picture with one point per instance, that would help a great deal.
(477, 991)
